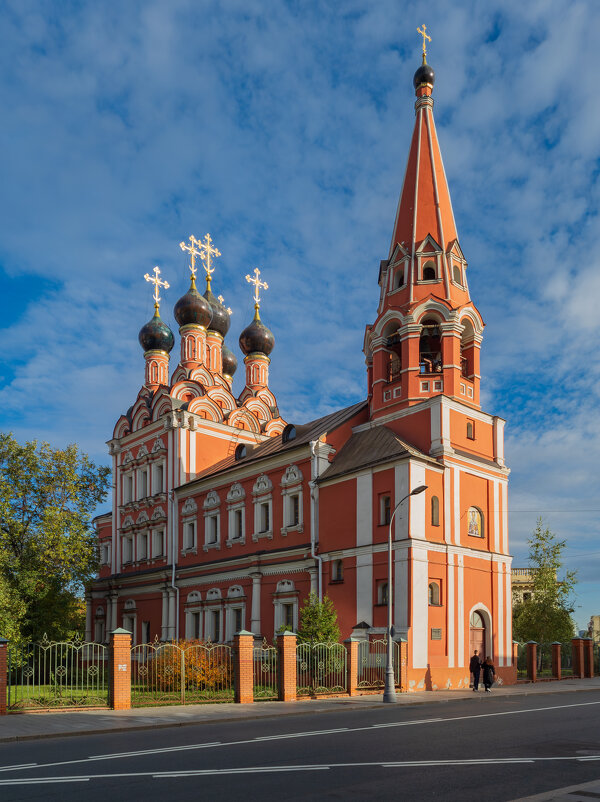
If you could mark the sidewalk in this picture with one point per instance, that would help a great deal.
(29, 726)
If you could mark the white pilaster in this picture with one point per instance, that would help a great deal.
(447, 506)
(500, 613)
(364, 509)
(496, 484)
(460, 612)
(420, 611)
(417, 503)
(451, 601)
(255, 625)
(401, 589)
(164, 628)
(401, 490)
(456, 481)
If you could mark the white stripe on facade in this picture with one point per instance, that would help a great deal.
(500, 606)
(420, 608)
(401, 490)
(451, 610)
(496, 515)
(447, 507)
(417, 503)
(456, 481)
(460, 612)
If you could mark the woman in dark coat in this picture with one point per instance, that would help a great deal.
(489, 674)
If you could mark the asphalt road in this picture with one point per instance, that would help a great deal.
(484, 748)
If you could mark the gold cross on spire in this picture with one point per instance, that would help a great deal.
(157, 284)
(222, 302)
(193, 251)
(206, 254)
(257, 285)
(425, 36)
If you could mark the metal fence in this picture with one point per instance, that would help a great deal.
(321, 668)
(544, 660)
(372, 661)
(566, 659)
(265, 672)
(596, 659)
(185, 673)
(52, 674)
(521, 661)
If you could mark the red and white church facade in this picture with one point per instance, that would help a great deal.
(225, 515)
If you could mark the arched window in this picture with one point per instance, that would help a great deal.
(477, 620)
(466, 349)
(434, 594)
(429, 272)
(382, 593)
(430, 347)
(456, 275)
(435, 511)
(470, 430)
(475, 522)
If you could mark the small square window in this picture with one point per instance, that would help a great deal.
(436, 634)
(437, 385)
(387, 395)
(463, 389)
(397, 392)
(424, 387)
(470, 392)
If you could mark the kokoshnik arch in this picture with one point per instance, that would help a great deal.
(225, 515)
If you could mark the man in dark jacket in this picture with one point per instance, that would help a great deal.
(475, 668)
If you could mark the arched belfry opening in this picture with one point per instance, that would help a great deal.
(430, 347)
(467, 345)
(393, 352)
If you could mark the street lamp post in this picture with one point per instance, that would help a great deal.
(389, 691)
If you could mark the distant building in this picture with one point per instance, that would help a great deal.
(594, 628)
(522, 584)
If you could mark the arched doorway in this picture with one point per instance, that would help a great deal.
(477, 634)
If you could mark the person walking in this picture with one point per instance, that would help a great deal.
(475, 668)
(489, 674)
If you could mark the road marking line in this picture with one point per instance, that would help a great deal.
(215, 744)
(289, 768)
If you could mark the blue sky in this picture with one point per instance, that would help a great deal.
(283, 129)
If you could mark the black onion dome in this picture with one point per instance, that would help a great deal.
(424, 75)
(229, 362)
(257, 338)
(156, 335)
(220, 316)
(192, 308)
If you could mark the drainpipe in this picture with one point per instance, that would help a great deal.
(173, 558)
(314, 514)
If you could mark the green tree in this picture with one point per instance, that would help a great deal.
(318, 621)
(546, 615)
(48, 546)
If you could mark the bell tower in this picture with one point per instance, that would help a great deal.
(426, 338)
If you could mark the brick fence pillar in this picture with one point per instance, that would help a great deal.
(515, 653)
(119, 682)
(243, 643)
(286, 646)
(532, 661)
(556, 666)
(352, 676)
(577, 646)
(588, 662)
(3, 674)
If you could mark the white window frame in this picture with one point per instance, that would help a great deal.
(212, 518)
(236, 502)
(263, 494)
(156, 533)
(209, 630)
(129, 622)
(285, 593)
(127, 547)
(189, 536)
(105, 553)
(143, 492)
(158, 469)
(128, 487)
(141, 537)
(291, 485)
(230, 628)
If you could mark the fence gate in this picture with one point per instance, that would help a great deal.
(372, 661)
(265, 672)
(321, 668)
(52, 674)
(165, 673)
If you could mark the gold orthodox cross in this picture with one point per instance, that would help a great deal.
(222, 302)
(425, 36)
(193, 251)
(157, 283)
(206, 254)
(257, 285)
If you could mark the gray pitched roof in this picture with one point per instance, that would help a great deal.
(368, 448)
(305, 433)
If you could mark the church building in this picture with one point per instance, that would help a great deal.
(225, 514)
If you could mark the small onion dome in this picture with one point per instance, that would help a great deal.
(192, 308)
(229, 361)
(156, 335)
(220, 316)
(424, 75)
(257, 338)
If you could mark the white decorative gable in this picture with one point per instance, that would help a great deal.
(213, 593)
(236, 493)
(157, 446)
(285, 586)
(212, 500)
(190, 507)
(128, 457)
(158, 513)
(142, 517)
(292, 476)
(262, 486)
(142, 451)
